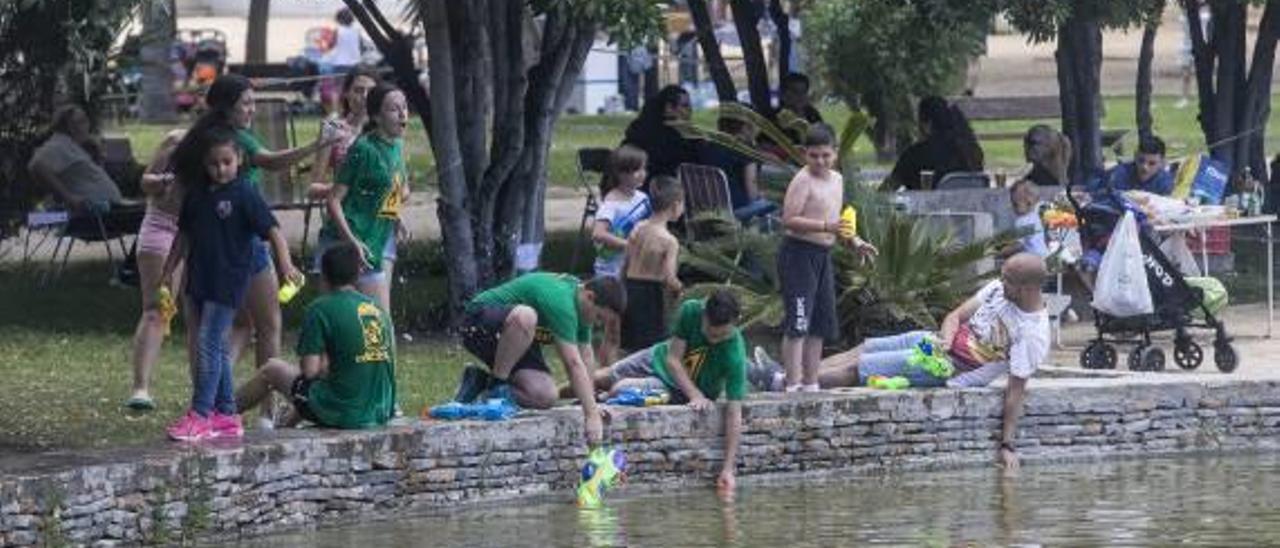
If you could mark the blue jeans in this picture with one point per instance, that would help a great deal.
(887, 356)
(213, 382)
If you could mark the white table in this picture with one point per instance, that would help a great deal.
(1203, 226)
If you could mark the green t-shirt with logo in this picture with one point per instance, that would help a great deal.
(252, 146)
(714, 368)
(553, 296)
(359, 390)
(374, 174)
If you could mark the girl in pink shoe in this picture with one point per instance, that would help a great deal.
(222, 214)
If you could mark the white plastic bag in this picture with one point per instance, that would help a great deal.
(1121, 289)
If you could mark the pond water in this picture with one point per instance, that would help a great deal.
(1229, 501)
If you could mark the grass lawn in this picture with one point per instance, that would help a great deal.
(65, 364)
(1178, 127)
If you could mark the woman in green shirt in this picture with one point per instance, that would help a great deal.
(370, 188)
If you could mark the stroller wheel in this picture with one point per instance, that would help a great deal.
(1187, 354)
(1225, 356)
(1146, 358)
(1098, 356)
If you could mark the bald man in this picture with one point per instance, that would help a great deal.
(1002, 329)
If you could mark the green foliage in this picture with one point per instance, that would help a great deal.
(883, 54)
(741, 260)
(1041, 18)
(628, 23)
(50, 50)
(918, 277)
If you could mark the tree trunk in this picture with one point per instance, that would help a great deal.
(156, 102)
(506, 25)
(1257, 104)
(783, 23)
(746, 15)
(725, 90)
(468, 33)
(1142, 109)
(1079, 58)
(549, 92)
(1204, 56)
(455, 222)
(255, 49)
(1229, 28)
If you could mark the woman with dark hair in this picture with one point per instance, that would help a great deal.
(369, 189)
(663, 144)
(949, 145)
(231, 107)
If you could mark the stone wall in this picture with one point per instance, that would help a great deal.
(299, 478)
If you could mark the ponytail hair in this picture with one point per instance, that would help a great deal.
(188, 156)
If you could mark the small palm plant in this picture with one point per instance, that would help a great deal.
(742, 260)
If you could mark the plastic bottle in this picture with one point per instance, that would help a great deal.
(290, 290)
(849, 223)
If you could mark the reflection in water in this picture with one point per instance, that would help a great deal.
(1199, 501)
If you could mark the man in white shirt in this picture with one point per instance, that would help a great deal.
(1002, 329)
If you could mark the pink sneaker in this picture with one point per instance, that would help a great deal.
(226, 426)
(191, 427)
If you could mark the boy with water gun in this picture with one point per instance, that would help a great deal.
(706, 355)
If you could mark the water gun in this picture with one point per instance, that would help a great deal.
(167, 307)
(888, 383)
(495, 409)
(922, 356)
(604, 469)
(849, 223)
(640, 397)
(290, 290)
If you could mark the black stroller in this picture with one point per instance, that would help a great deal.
(1174, 300)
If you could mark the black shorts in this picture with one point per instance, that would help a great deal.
(298, 396)
(481, 328)
(807, 277)
(645, 322)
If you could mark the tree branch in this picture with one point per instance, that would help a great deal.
(711, 51)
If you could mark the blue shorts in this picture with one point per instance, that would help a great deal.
(261, 256)
(887, 357)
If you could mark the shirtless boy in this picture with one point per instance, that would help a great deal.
(650, 269)
(811, 219)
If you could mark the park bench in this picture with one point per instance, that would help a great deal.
(1031, 109)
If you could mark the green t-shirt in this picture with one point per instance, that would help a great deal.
(373, 173)
(252, 146)
(553, 296)
(360, 388)
(712, 367)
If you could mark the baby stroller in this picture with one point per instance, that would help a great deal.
(1175, 302)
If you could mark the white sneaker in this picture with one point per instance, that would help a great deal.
(265, 424)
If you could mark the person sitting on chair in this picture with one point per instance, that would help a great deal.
(1146, 171)
(70, 163)
(949, 145)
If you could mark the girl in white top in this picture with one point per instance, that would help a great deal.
(623, 207)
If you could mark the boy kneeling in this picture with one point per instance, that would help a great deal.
(706, 355)
(347, 375)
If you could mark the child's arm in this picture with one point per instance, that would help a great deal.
(793, 206)
(314, 366)
(177, 252)
(583, 389)
(732, 432)
(603, 237)
(333, 204)
(284, 262)
(675, 351)
(671, 266)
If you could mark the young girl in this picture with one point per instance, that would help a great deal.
(222, 219)
(364, 204)
(622, 207)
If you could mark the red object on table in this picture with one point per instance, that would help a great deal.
(1216, 241)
